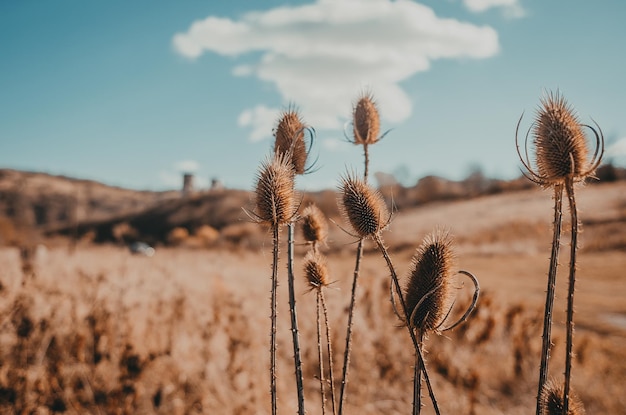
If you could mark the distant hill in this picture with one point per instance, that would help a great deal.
(42, 204)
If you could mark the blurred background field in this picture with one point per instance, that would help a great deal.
(89, 327)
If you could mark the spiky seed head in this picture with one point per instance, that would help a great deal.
(315, 270)
(290, 139)
(552, 400)
(275, 194)
(314, 225)
(362, 206)
(561, 147)
(430, 281)
(366, 121)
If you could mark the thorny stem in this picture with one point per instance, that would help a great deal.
(330, 352)
(359, 255)
(570, 293)
(346, 353)
(417, 380)
(547, 320)
(273, 320)
(294, 320)
(407, 318)
(367, 161)
(319, 349)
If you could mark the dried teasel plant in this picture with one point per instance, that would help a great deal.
(363, 207)
(290, 138)
(430, 297)
(275, 196)
(365, 125)
(290, 142)
(551, 401)
(365, 210)
(561, 160)
(314, 226)
(365, 131)
(275, 206)
(316, 273)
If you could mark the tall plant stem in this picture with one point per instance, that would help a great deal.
(417, 379)
(273, 320)
(357, 266)
(407, 317)
(294, 320)
(346, 353)
(319, 350)
(569, 188)
(547, 319)
(366, 154)
(329, 348)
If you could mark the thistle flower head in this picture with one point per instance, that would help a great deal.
(429, 290)
(275, 194)
(366, 121)
(552, 400)
(315, 270)
(559, 140)
(314, 225)
(561, 149)
(362, 206)
(290, 139)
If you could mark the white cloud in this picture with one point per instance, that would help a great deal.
(320, 55)
(187, 166)
(617, 149)
(510, 8)
(261, 119)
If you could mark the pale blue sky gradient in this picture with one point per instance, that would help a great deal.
(100, 90)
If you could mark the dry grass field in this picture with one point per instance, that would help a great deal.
(100, 331)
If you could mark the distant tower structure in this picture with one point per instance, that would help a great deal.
(187, 184)
(216, 184)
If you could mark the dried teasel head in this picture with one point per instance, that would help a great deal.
(429, 289)
(561, 150)
(314, 225)
(362, 206)
(366, 121)
(275, 194)
(289, 135)
(315, 270)
(552, 400)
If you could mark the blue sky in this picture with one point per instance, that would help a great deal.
(131, 93)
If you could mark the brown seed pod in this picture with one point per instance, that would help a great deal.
(275, 194)
(362, 206)
(430, 282)
(366, 121)
(314, 225)
(315, 270)
(290, 139)
(552, 400)
(561, 147)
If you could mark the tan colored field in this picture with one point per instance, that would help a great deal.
(186, 331)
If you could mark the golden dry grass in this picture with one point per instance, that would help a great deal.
(103, 331)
